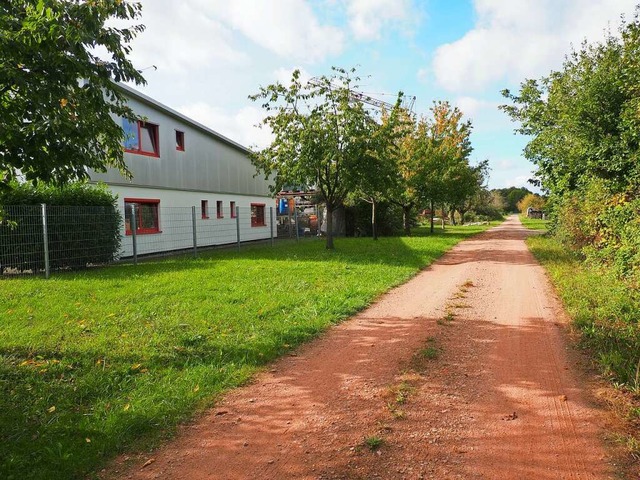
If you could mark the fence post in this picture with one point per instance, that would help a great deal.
(134, 238)
(45, 241)
(195, 237)
(295, 217)
(271, 223)
(238, 226)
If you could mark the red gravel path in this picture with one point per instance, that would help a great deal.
(503, 398)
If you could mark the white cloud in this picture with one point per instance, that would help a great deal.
(519, 181)
(239, 126)
(473, 107)
(288, 28)
(514, 39)
(187, 39)
(368, 18)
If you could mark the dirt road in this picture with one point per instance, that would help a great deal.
(463, 372)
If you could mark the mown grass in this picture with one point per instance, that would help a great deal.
(99, 362)
(534, 223)
(603, 307)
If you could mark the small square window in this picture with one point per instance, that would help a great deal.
(204, 207)
(232, 207)
(219, 212)
(179, 140)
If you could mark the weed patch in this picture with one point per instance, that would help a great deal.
(373, 443)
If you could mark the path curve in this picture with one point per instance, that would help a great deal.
(502, 398)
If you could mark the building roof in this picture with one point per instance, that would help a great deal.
(169, 111)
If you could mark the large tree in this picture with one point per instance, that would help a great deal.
(322, 137)
(378, 175)
(442, 152)
(59, 60)
(583, 120)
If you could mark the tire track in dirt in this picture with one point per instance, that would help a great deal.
(461, 373)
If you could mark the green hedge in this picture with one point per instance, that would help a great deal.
(83, 227)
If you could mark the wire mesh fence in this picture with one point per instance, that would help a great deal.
(41, 239)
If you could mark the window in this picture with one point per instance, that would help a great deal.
(146, 215)
(219, 212)
(204, 207)
(179, 140)
(232, 207)
(257, 215)
(141, 138)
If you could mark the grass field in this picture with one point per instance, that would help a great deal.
(93, 363)
(534, 223)
(605, 311)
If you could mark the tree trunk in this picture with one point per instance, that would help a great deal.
(453, 216)
(462, 212)
(431, 213)
(406, 210)
(374, 226)
(329, 245)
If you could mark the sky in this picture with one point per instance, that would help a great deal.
(210, 55)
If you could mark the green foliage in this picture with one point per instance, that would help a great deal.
(57, 97)
(83, 226)
(125, 353)
(323, 137)
(510, 198)
(388, 219)
(531, 200)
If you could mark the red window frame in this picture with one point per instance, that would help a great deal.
(140, 229)
(257, 215)
(219, 209)
(204, 207)
(179, 140)
(155, 140)
(232, 207)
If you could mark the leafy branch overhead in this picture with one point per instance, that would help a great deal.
(59, 60)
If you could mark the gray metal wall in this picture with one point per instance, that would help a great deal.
(208, 164)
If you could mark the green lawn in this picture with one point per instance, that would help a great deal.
(95, 362)
(534, 223)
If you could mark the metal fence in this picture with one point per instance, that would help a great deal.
(41, 239)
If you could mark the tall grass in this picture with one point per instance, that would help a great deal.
(96, 362)
(604, 308)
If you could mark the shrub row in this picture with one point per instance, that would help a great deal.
(83, 227)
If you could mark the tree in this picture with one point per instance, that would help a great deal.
(466, 184)
(443, 153)
(377, 174)
(533, 201)
(404, 192)
(322, 137)
(583, 120)
(57, 95)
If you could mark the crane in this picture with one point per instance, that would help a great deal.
(407, 103)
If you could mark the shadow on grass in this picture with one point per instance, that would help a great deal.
(416, 251)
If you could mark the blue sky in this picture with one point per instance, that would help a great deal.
(211, 54)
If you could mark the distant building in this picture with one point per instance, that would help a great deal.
(177, 162)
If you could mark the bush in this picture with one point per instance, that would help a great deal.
(388, 219)
(83, 227)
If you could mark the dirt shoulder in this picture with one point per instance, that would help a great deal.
(463, 372)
